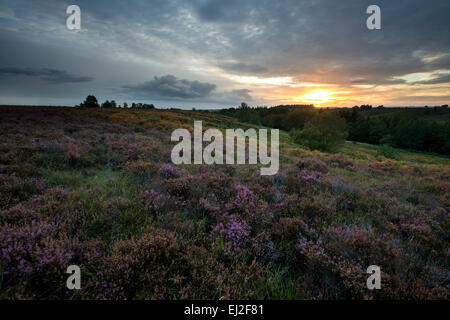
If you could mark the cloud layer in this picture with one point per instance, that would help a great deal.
(213, 50)
(49, 75)
(171, 87)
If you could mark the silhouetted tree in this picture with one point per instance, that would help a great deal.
(148, 106)
(90, 102)
(366, 107)
(244, 105)
(107, 104)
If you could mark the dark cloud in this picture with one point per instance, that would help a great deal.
(438, 80)
(232, 97)
(52, 76)
(377, 81)
(225, 11)
(241, 67)
(305, 37)
(170, 86)
(243, 94)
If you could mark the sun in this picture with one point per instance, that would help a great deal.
(317, 97)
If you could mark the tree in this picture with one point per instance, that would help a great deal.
(366, 107)
(244, 105)
(107, 104)
(324, 132)
(90, 102)
(148, 106)
(125, 105)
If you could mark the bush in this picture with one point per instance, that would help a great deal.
(90, 102)
(325, 132)
(387, 151)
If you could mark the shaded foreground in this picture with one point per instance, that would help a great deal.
(96, 188)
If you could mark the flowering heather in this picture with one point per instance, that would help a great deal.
(310, 177)
(168, 171)
(234, 234)
(96, 188)
(207, 209)
(153, 201)
(245, 199)
(314, 164)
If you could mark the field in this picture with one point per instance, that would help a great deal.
(96, 188)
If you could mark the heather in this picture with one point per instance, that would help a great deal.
(96, 188)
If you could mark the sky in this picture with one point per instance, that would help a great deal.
(215, 54)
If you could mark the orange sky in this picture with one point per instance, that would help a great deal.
(412, 91)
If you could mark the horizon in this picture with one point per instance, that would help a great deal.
(227, 107)
(213, 55)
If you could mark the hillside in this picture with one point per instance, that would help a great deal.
(96, 188)
(426, 113)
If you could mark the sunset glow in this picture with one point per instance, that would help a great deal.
(214, 56)
(317, 97)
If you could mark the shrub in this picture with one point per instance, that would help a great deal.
(387, 151)
(315, 164)
(325, 132)
(168, 171)
(34, 258)
(14, 189)
(232, 235)
(159, 266)
(179, 187)
(90, 102)
(153, 201)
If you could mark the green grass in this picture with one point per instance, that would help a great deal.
(365, 151)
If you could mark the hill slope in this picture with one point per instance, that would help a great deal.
(96, 188)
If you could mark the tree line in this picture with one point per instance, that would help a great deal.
(92, 102)
(325, 129)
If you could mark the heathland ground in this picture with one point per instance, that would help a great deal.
(96, 188)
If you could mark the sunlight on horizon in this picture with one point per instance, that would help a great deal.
(317, 97)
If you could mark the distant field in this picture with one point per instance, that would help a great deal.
(96, 188)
